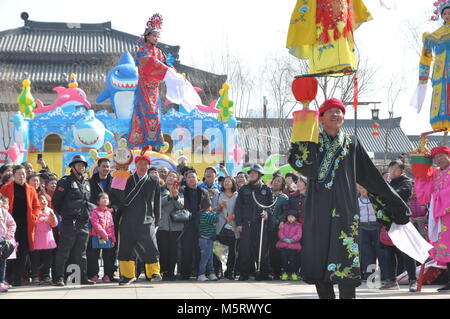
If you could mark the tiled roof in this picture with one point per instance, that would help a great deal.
(398, 142)
(279, 134)
(58, 72)
(35, 40)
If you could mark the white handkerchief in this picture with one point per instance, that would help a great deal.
(408, 240)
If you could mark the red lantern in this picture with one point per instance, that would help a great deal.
(375, 133)
(305, 89)
(375, 125)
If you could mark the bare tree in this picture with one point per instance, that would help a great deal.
(395, 88)
(282, 70)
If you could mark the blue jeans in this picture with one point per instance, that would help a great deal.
(371, 250)
(206, 259)
(2, 270)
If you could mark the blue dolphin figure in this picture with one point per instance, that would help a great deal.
(121, 84)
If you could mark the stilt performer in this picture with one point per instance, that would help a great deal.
(152, 69)
(436, 43)
(333, 162)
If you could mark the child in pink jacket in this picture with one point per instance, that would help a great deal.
(7, 232)
(44, 243)
(102, 227)
(289, 246)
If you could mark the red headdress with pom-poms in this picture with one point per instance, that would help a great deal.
(143, 157)
(440, 6)
(154, 24)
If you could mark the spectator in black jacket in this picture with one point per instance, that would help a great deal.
(71, 200)
(248, 216)
(100, 182)
(403, 186)
(193, 195)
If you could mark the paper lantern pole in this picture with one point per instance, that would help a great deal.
(306, 121)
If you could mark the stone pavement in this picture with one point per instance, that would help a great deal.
(223, 289)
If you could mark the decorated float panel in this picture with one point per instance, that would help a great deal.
(207, 135)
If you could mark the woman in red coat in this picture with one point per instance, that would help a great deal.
(24, 207)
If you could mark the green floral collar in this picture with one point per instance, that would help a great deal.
(335, 150)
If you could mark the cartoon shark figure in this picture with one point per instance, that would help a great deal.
(68, 99)
(89, 132)
(20, 133)
(121, 84)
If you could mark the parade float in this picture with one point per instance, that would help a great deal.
(207, 135)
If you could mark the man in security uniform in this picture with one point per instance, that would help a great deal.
(140, 214)
(71, 201)
(248, 217)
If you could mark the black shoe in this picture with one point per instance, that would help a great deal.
(60, 282)
(172, 278)
(276, 277)
(243, 277)
(87, 282)
(446, 288)
(165, 277)
(263, 277)
(390, 285)
(413, 286)
(185, 277)
(229, 277)
(127, 281)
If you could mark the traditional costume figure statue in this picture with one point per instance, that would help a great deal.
(140, 213)
(330, 250)
(437, 44)
(435, 190)
(322, 32)
(152, 69)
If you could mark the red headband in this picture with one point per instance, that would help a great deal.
(440, 150)
(329, 104)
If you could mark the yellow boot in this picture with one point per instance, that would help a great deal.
(153, 271)
(127, 271)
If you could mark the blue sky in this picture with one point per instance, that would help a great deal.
(254, 30)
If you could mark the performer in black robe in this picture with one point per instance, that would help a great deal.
(330, 240)
(140, 215)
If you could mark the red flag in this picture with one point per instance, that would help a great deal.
(355, 92)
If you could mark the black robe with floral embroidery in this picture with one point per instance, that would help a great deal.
(330, 240)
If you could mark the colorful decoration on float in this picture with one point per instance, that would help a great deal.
(67, 100)
(121, 83)
(270, 167)
(122, 157)
(14, 152)
(26, 101)
(238, 154)
(89, 132)
(20, 133)
(224, 104)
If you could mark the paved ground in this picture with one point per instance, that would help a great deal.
(210, 290)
